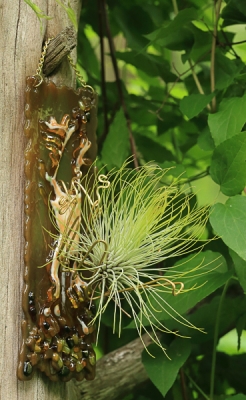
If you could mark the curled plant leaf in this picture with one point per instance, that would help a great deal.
(130, 225)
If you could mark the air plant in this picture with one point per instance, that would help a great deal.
(134, 225)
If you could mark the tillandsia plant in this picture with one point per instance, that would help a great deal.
(134, 224)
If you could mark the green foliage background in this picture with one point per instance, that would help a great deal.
(180, 101)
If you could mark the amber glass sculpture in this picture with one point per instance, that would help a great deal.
(57, 334)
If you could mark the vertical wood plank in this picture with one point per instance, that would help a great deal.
(20, 48)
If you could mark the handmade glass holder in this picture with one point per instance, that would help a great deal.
(57, 334)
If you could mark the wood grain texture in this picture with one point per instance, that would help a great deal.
(117, 373)
(20, 47)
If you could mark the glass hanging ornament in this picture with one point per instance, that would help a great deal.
(61, 130)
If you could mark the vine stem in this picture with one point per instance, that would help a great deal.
(195, 77)
(213, 48)
(175, 7)
(198, 176)
(197, 82)
(183, 384)
(216, 335)
(164, 102)
(118, 84)
(102, 60)
(197, 387)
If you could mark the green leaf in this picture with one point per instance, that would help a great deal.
(241, 5)
(240, 268)
(212, 274)
(228, 221)
(133, 32)
(88, 58)
(201, 45)
(169, 121)
(229, 120)
(160, 369)
(205, 141)
(234, 13)
(237, 397)
(192, 105)
(178, 40)
(151, 150)
(228, 165)
(175, 170)
(151, 64)
(184, 17)
(116, 145)
(205, 316)
(241, 77)
(226, 70)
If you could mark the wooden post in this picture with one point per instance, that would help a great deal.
(20, 48)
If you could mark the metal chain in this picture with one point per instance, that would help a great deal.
(78, 75)
(41, 62)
